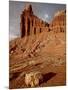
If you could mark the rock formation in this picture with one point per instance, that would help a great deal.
(31, 24)
(58, 24)
(33, 79)
(40, 53)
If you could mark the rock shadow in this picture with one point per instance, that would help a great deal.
(47, 77)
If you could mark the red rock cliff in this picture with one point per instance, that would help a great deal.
(31, 24)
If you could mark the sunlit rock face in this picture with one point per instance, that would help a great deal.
(58, 23)
(31, 24)
(33, 79)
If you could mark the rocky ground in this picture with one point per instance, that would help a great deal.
(44, 53)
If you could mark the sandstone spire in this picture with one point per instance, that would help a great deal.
(31, 24)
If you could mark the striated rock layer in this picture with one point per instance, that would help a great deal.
(58, 23)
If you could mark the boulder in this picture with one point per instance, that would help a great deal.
(33, 79)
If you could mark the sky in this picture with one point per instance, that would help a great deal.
(45, 11)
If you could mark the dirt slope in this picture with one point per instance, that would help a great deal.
(44, 52)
